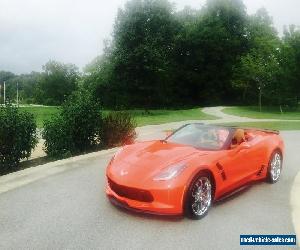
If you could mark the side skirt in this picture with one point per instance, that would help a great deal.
(237, 191)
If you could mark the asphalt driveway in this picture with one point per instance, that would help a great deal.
(69, 210)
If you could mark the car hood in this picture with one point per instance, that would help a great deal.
(140, 162)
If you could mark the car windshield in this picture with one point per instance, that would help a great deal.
(201, 136)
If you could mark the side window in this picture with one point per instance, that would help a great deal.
(222, 136)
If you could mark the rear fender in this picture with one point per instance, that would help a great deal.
(275, 144)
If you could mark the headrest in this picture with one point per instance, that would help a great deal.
(239, 135)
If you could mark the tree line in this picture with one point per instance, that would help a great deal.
(159, 57)
(50, 87)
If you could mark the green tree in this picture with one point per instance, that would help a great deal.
(98, 78)
(216, 55)
(6, 75)
(290, 65)
(56, 83)
(143, 42)
(210, 43)
(256, 74)
(26, 84)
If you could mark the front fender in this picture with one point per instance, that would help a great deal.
(193, 174)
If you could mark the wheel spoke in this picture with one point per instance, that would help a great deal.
(201, 196)
(276, 167)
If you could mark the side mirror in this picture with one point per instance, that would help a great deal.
(244, 145)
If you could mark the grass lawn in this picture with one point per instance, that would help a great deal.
(150, 118)
(285, 125)
(41, 113)
(165, 116)
(267, 113)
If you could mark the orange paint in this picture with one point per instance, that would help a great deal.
(132, 171)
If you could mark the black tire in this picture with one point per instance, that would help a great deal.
(190, 203)
(274, 176)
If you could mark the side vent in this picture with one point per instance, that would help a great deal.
(261, 170)
(221, 170)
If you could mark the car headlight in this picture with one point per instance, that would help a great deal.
(170, 172)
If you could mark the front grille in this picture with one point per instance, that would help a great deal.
(130, 193)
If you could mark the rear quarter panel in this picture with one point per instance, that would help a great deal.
(264, 143)
(264, 146)
(271, 143)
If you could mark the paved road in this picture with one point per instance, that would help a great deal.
(223, 117)
(69, 210)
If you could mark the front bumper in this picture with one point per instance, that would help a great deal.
(167, 201)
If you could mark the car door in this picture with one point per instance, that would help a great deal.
(238, 166)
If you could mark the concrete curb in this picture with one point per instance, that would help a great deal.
(29, 175)
(295, 203)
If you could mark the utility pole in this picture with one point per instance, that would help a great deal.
(4, 93)
(17, 94)
(259, 98)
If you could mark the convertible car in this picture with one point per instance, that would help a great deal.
(193, 167)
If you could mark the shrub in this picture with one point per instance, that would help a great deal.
(17, 137)
(75, 128)
(118, 128)
(58, 142)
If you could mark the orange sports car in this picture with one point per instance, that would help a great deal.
(193, 167)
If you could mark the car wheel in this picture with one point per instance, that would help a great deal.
(275, 167)
(199, 197)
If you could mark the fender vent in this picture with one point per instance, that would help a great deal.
(261, 170)
(221, 170)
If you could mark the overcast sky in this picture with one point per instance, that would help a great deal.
(72, 31)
